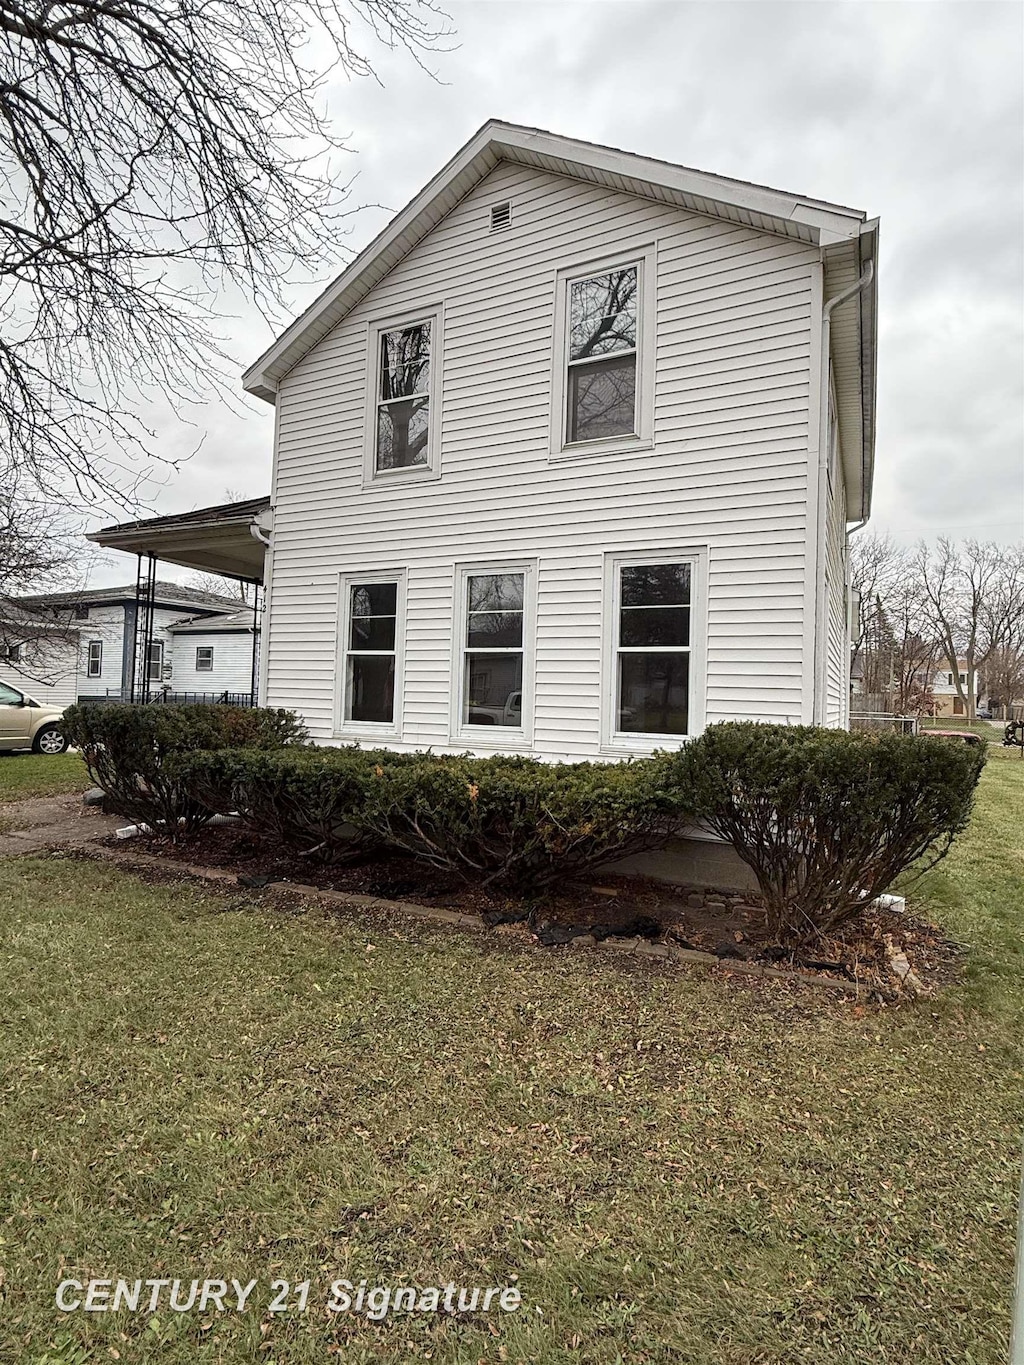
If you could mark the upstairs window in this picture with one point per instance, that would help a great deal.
(403, 404)
(603, 386)
(602, 356)
(10, 653)
(204, 658)
(94, 664)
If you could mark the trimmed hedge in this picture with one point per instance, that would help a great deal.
(515, 824)
(828, 819)
(311, 800)
(127, 748)
(519, 825)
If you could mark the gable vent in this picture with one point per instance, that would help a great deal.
(501, 216)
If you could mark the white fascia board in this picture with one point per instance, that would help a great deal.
(495, 142)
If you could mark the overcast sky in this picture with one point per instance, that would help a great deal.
(911, 111)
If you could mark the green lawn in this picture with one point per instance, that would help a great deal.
(990, 730)
(25, 775)
(674, 1166)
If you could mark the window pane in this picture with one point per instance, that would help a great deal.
(493, 689)
(496, 592)
(602, 399)
(654, 626)
(372, 632)
(653, 693)
(405, 361)
(402, 434)
(495, 628)
(656, 585)
(8, 696)
(374, 599)
(603, 314)
(371, 688)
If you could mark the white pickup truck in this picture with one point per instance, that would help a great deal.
(509, 714)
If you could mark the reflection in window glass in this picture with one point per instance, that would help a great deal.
(601, 377)
(370, 653)
(492, 671)
(403, 399)
(653, 650)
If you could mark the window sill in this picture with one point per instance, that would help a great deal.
(484, 737)
(349, 734)
(642, 746)
(400, 477)
(585, 451)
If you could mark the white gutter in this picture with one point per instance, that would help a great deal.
(821, 599)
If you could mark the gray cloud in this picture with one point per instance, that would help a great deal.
(910, 111)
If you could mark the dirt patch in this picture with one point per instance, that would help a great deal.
(703, 919)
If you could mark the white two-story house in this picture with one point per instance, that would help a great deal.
(564, 461)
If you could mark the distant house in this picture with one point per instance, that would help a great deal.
(945, 700)
(85, 645)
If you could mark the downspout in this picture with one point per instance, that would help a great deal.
(824, 451)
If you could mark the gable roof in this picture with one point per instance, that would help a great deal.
(847, 238)
(717, 196)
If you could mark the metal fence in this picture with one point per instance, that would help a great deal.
(881, 720)
(167, 698)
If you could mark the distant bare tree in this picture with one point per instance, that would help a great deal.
(876, 566)
(974, 595)
(151, 153)
(221, 587)
(1004, 672)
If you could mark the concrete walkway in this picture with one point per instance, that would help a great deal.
(45, 822)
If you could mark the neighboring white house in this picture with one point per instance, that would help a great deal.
(565, 459)
(63, 647)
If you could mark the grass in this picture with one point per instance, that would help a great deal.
(672, 1166)
(990, 730)
(25, 775)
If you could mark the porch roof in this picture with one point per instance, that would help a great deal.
(218, 539)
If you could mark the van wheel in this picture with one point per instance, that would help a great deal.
(50, 740)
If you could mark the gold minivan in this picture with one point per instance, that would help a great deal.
(24, 724)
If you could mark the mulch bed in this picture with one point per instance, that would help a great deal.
(729, 925)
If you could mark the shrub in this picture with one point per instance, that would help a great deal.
(825, 818)
(311, 800)
(514, 824)
(126, 749)
(519, 825)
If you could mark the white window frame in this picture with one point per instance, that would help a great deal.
(645, 259)
(90, 671)
(381, 478)
(493, 736)
(366, 729)
(157, 675)
(205, 667)
(617, 741)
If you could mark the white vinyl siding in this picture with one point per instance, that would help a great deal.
(727, 472)
(232, 661)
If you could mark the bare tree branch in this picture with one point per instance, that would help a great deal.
(151, 153)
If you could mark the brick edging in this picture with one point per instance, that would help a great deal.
(635, 947)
